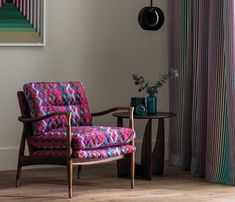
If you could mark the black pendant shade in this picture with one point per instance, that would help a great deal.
(151, 18)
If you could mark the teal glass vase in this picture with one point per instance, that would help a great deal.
(151, 104)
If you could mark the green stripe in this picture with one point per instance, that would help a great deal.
(15, 25)
(12, 17)
(17, 30)
(10, 14)
(8, 9)
(9, 5)
(12, 21)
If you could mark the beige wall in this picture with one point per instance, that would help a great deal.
(97, 42)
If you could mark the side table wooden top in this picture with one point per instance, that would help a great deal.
(159, 115)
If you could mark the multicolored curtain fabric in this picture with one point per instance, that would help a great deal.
(201, 46)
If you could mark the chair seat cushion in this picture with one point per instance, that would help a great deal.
(89, 154)
(84, 137)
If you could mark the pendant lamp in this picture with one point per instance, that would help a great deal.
(151, 18)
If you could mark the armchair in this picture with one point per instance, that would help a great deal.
(57, 126)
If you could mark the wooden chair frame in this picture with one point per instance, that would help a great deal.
(68, 161)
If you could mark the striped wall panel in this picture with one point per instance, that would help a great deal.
(201, 45)
(24, 17)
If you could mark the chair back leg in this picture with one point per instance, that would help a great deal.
(18, 174)
(21, 153)
(132, 170)
(79, 172)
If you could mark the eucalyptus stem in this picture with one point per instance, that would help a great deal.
(151, 87)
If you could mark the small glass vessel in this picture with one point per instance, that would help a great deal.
(151, 104)
(135, 101)
(141, 110)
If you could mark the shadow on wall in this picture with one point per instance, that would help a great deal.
(115, 47)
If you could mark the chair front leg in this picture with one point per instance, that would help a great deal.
(69, 155)
(132, 170)
(70, 177)
(132, 160)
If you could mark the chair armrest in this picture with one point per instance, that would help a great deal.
(30, 120)
(68, 131)
(129, 109)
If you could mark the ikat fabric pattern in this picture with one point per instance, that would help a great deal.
(84, 137)
(46, 97)
(90, 154)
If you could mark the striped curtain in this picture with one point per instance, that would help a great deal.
(201, 46)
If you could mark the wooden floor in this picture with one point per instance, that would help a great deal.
(99, 183)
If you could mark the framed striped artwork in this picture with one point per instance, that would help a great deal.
(22, 22)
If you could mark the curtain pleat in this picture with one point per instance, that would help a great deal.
(220, 131)
(180, 55)
(201, 46)
(200, 91)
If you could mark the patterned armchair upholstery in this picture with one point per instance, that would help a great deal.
(58, 129)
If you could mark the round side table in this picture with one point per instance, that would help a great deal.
(151, 162)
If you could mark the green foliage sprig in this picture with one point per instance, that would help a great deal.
(153, 87)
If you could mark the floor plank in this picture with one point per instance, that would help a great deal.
(99, 183)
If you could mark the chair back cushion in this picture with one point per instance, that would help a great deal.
(46, 97)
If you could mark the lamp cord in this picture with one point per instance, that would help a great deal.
(151, 3)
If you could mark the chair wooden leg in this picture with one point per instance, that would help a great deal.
(79, 171)
(21, 154)
(70, 177)
(132, 170)
(18, 174)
